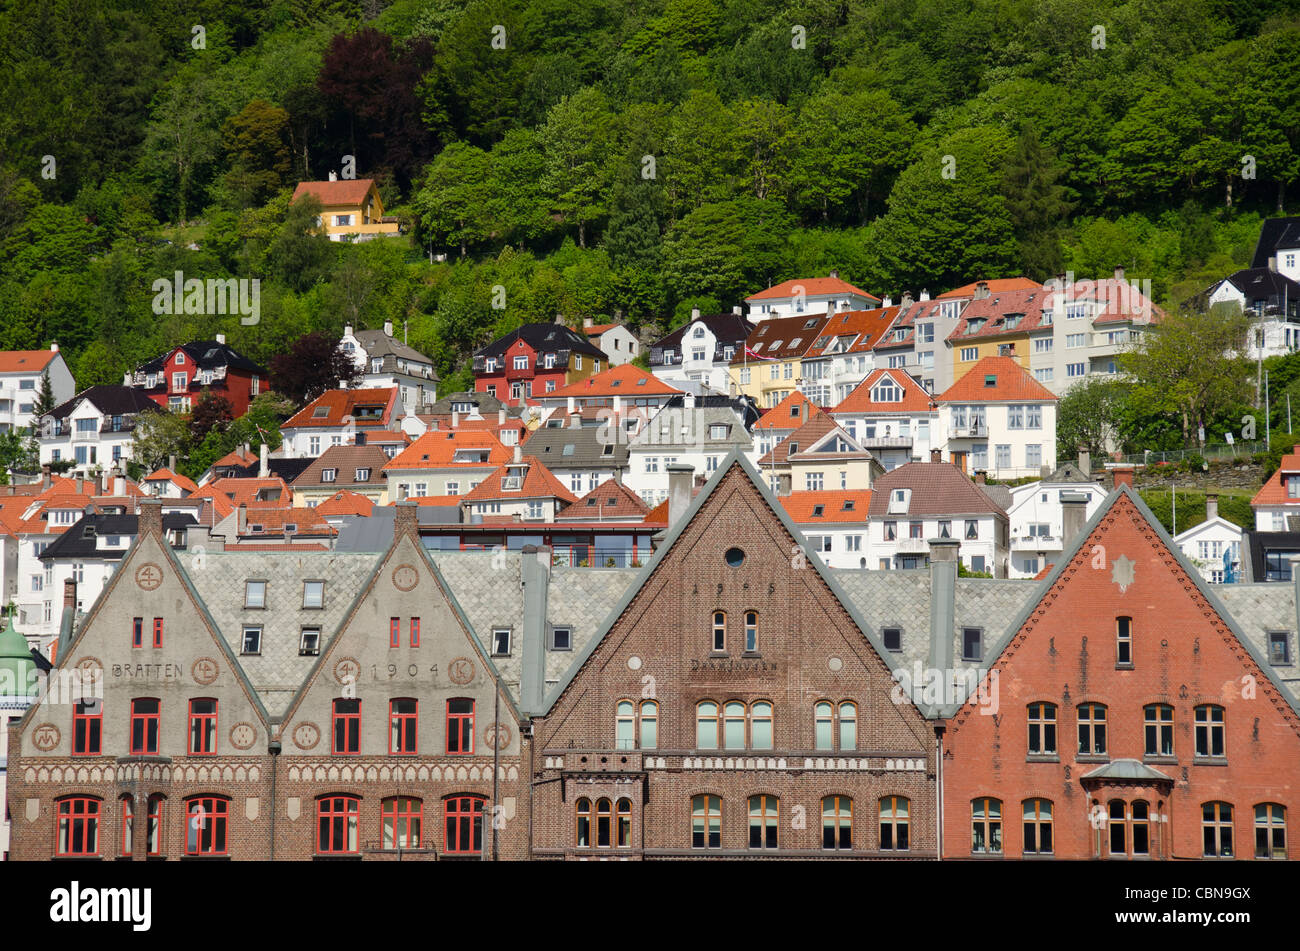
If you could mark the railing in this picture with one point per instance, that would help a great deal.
(1167, 457)
(971, 431)
(887, 442)
(586, 556)
(1035, 543)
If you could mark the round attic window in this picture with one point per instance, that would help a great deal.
(735, 557)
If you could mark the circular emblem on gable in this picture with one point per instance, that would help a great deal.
(204, 671)
(148, 576)
(834, 663)
(242, 735)
(461, 670)
(45, 737)
(347, 670)
(405, 577)
(497, 733)
(90, 668)
(634, 663)
(306, 735)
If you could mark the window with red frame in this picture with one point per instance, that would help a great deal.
(401, 818)
(157, 631)
(402, 726)
(415, 632)
(394, 632)
(347, 726)
(87, 728)
(460, 726)
(206, 822)
(78, 826)
(128, 823)
(144, 726)
(464, 825)
(203, 727)
(153, 830)
(137, 632)
(336, 825)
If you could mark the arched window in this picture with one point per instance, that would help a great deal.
(582, 830)
(1092, 729)
(78, 825)
(894, 823)
(625, 726)
(751, 632)
(1209, 731)
(206, 820)
(1038, 826)
(1158, 720)
(464, 825)
(823, 726)
(837, 822)
(401, 822)
(336, 824)
(1270, 831)
(1216, 829)
(128, 824)
(763, 821)
(706, 725)
(733, 725)
(719, 631)
(706, 822)
(153, 831)
(1123, 642)
(1117, 823)
(604, 818)
(848, 726)
(1042, 728)
(649, 725)
(986, 825)
(760, 727)
(624, 823)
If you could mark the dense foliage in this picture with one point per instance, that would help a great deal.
(594, 156)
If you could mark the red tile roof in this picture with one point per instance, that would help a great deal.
(610, 501)
(245, 491)
(236, 458)
(166, 475)
(850, 505)
(1011, 381)
(915, 398)
(437, 450)
(340, 404)
(795, 336)
(783, 415)
(595, 330)
(345, 502)
(1274, 491)
(435, 500)
(625, 380)
(271, 521)
(812, 287)
(1007, 312)
(996, 285)
(345, 191)
(539, 483)
(25, 361)
(802, 438)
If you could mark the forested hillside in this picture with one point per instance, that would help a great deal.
(593, 156)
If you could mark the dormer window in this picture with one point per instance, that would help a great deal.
(898, 501)
(362, 475)
(991, 380)
(887, 391)
(329, 475)
(320, 412)
(810, 324)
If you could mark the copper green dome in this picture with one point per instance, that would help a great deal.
(17, 669)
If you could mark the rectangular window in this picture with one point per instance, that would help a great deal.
(347, 726)
(1073, 370)
(1279, 648)
(313, 594)
(144, 727)
(972, 643)
(561, 639)
(501, 642)
(157, 631)
(87, 728)
(1124, 642)
(1002, 455)
(254, 594)
(309, 643)
(1209, 731)
(969, 353)
(394, 632)
(460, 726)
(1033, 455)
(1042, 729)
(207, 819)
(415, 632)
(252, 641)
(402, 727)
(137, 632)
(203, 727)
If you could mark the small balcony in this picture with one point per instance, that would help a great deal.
(1035, 543)
(970, 431)
(911, 546)
(887, 442)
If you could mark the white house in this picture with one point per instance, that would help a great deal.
(1206, 544)
(700, 351)
(890, 414)
(1038, 517)
(95, 428)
(809, 295)
(336, 417)
(20, 384)
(834, 524)
(999, 419)
(699, 437)
(385, 361)
(1277, 503)
(618, 343)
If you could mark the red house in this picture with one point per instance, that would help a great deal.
(535, 360)
(1128, 712)
(175, 380)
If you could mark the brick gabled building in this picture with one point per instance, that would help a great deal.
(1135, 717)
(733, 705)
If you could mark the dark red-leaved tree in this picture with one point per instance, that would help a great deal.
(315, 363)
(369, 86)
(211, 411)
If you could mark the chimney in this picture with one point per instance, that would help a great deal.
(1119, 274)
(559, 318)
(359, 439)
(689, 401)
(1211, 506)
(404, 520)
(248, 449)
(150, 518)
(803, 411)
(783, 484)
(54, 344)
(925, 295)
(1085, 462)
(534, 576)
(737, 310)
(119, 483)
(221, 338)
(835, 274)
(519, 454)
(981, 290)
(70, 593)
(347, 330)
(1074, 514)
(334, 176)
(943, 600)
(1272, 262)
(501, 416)
(81, 485)
(681, 478)
(388, 328)
(981, 476)
(905, 301)
(887, 302)
(241, 520)
(936, 455)
(46, 479)
(171, 462)
(200, 536)
(573, 406)
(264, 463)
(1122, 475)
(575, 420)
(455, 419)
(587, 322)
(695, 313)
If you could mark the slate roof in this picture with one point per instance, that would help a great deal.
(75, 543)
(379, 344)
(675, 428)
(1275, 233)
(577, 447)
(208, 355)
(488, 405)
(1259, 283)
(729, 329)
(542, 338)
(938, 488)
(1265, 607)
(109, 400)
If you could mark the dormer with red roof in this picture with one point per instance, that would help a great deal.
(809, 295)
(520, 490)
(351, 209)
(892, 415)
(999, 420)
(336, 417)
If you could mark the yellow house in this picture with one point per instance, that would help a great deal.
(351, 209)
(999, 324)
(769, 366)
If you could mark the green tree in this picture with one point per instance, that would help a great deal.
(726, 249)
(456, 199)
(158, 436)
(1088, 417)
(1037, 204)
(258, 150)
(576, 144)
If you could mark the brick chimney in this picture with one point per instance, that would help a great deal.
(151, 518)
(1121, 475)
(70, 593)
(404, 522)
(46, 478)
(936, 455)
(981, 476)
